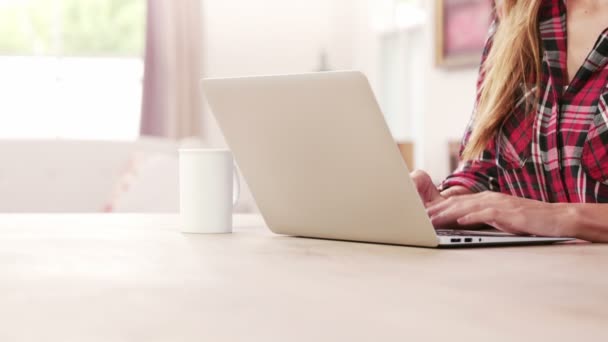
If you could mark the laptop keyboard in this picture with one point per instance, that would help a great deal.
(457, 232)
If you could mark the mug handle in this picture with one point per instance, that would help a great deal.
(236, 183)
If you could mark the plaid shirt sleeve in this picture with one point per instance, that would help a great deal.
(481, 174)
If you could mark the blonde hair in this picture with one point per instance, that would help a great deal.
(513, 59)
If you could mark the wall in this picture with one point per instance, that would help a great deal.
(244, 37)
(449, 100)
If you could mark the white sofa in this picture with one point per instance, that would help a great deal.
(49, 176)
(88, 176)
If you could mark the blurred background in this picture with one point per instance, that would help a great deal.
(97, 95)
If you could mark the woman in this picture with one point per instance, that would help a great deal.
(535, 156)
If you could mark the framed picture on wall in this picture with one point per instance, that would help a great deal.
(461, 31)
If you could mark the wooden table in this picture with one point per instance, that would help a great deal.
(136, 278)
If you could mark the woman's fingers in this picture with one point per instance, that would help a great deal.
(509, 221)
(449, 217)
(447, 212)
(443, 205)
(486, 216)
(455, 191)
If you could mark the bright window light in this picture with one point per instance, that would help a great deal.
(397, 15)
(71, 69)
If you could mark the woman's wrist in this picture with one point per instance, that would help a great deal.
(591, 222)
(569, 219)
(584, 221)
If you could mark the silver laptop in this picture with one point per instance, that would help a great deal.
(320, 161)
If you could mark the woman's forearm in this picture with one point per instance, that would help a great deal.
(587, 221)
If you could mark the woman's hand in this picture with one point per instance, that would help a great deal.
(428, 191)
(510, 214)
(426, 188)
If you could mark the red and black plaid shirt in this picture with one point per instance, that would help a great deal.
(560, 153)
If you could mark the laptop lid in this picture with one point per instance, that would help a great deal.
(319, 158)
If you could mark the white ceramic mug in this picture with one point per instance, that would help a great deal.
(208, 190)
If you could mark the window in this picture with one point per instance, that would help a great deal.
(399, 24)
(397, 15)
(71, 68)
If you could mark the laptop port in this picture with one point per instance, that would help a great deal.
(455, 240)
(468, 240)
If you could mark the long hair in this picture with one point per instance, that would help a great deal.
(513, 60)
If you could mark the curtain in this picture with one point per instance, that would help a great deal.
(171, 101)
